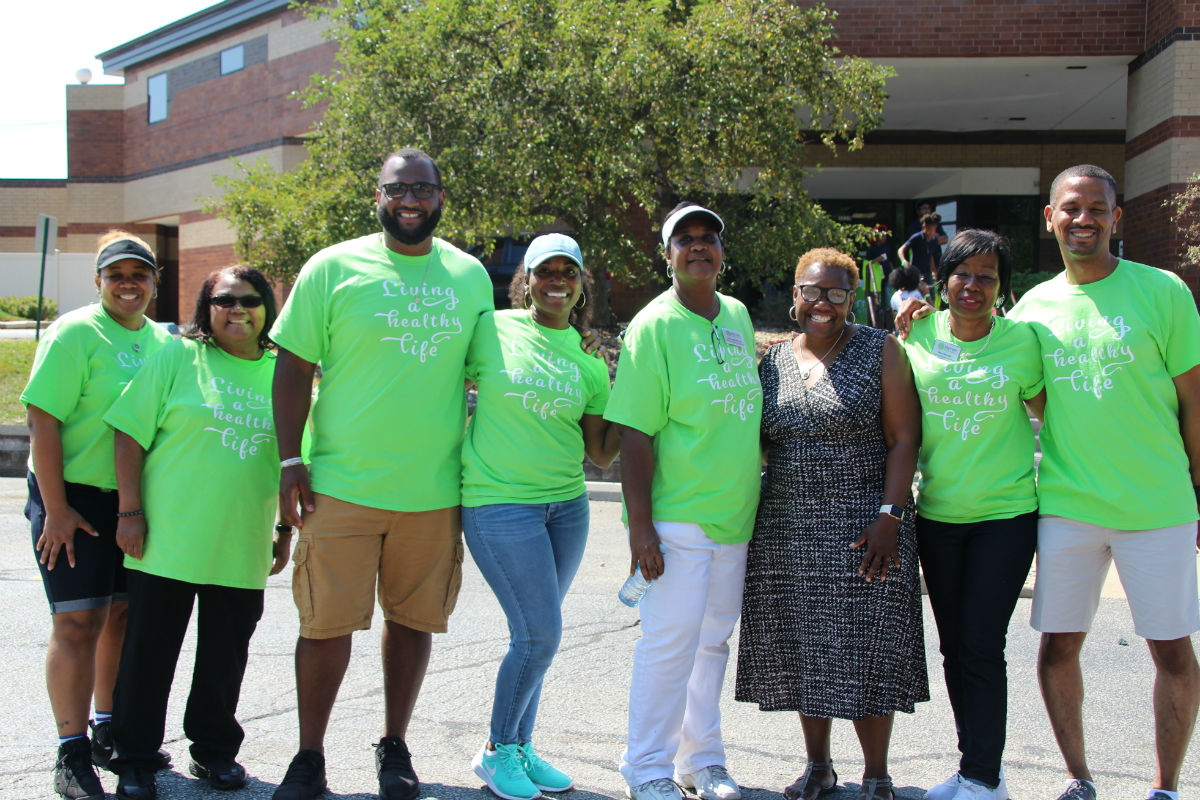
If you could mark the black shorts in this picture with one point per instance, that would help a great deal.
(98, 577)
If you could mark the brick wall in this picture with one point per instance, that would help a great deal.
(249, 107)
(916, 28)
(1164, 17)
(1150, 237)
(95, 144)
(194, 264)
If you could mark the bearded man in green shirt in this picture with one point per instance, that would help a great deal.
(389, 318)
(1120, 345)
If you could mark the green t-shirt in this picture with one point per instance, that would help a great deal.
(524, 443)
(1112, 453)
(391, 334)
(82, 363)
(693, 386)
(976, 457)
(210, 477)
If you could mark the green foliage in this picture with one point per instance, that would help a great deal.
(1185, 212)
(26, 307)
(16, 359)
(1022, 282)
(599, 113)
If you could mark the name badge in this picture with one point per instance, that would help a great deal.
(733, 338)
(946, 351)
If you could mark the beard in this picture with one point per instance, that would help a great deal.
(414, 236)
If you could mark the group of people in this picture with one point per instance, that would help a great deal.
(818, 555)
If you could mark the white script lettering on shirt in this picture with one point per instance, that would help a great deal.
(969, 408)
(424, 329)
(1094, 364)
(238, 434)
(739, 404)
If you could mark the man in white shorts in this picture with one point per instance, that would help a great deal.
(1121, 450)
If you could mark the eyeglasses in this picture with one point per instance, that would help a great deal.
(718, 343)
(811, 293)
(398, 189)
(230, 300)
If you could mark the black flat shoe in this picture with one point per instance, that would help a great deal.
(221, 773)
(136, 783)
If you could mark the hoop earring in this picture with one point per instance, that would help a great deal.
(724, 266)
(850, 317)
(528, 299)
(670, 271)
(582, 301)
(792, 315)
(999, 301)
(945, 296)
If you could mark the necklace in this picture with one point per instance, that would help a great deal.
(716, 309)
(986, 339)
(805, 372)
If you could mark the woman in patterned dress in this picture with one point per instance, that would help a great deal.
(831, 616)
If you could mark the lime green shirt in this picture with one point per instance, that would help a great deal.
(1112, 454)
(210, 477)
(692, 385)
(391, 334)
(525, 443)
(82, 363)
(977, 447)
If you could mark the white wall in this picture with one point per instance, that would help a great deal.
(70, 277)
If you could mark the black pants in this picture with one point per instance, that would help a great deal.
(159, 610)
(974, 573)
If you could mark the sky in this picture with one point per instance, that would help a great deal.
(47, 43)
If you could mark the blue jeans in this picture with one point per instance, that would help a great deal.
(528, 553)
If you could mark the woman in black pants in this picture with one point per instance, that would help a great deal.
(977, 513)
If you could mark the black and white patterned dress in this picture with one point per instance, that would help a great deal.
(815, 636)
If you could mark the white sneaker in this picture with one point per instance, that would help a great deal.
(947, 788)
(657, 789)
(1002, 789)
(710, 783)
(968, 790)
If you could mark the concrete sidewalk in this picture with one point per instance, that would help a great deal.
(582, 722)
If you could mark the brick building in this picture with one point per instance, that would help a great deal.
(992, 98)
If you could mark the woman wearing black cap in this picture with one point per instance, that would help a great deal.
(688, 399)
(82, 363)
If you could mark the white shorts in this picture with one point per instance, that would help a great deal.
(1157, 568)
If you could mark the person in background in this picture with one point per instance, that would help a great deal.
(203, 400)
(525, 505)
(922, 250)
(82, 363)
(688, 400)
(831, 620)
(906, 284)
(977, 518)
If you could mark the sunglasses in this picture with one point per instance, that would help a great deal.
(420, 190)
(811, 293)
(229, 300)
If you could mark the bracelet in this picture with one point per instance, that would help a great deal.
(123, 514)
(291, 462)
(281, 528)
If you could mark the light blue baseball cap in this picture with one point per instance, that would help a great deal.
(550, 245)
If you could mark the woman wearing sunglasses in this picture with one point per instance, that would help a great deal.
(977, 527)
(525, 507)
(200, 410)
(831, 621)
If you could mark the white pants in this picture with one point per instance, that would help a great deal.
(679, 663)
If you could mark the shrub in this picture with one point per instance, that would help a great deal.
(26, 307)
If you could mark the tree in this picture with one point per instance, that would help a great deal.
(1185, 212)
(599, 113)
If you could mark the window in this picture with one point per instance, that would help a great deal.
(156, 97)
(232, 59)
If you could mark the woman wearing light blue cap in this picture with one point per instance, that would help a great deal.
(525, 506)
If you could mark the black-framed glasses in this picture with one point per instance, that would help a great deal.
(811, 293)
(398, 189)
(718, 343)
(231, 300)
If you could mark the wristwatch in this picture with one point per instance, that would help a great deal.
(893, 511)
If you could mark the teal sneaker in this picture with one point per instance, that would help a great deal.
(503, 770)
(542, 774)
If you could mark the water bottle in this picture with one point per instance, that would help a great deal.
(634, 588)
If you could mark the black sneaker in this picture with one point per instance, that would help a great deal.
(74, 776)
(136, 783)
(222, 773)
(305, 777)
(102, 747)
(393, 765)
